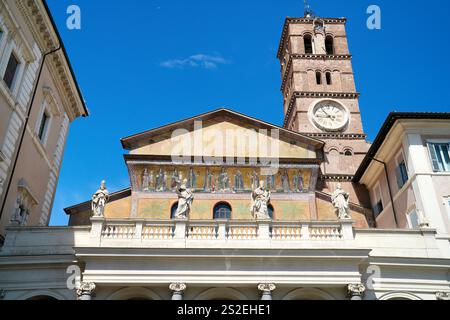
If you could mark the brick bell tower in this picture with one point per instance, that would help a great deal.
(320, 97)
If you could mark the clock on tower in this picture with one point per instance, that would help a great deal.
(320, 97)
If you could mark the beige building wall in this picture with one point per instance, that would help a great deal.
(29, 198)
(423, 199)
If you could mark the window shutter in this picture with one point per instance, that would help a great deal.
(10, 71)
(446, 151)
(414, 219)
(398, 175)
(433, 157)
(404, 172)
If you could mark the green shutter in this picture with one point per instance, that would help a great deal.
(433, 157)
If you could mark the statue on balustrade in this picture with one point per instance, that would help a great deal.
(238, 181)
(185, 200)
(298, 182)
(161, 180)
(224, 180)
(99, 200)
(260, 202)
(192, 179)
(285, 181)
(340, 201)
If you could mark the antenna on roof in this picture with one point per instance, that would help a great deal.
(308, 11)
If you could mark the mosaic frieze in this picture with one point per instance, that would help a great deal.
(219, 179)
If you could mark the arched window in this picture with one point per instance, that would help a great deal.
(348, 153)
(328, 76)
(222, 210)
(329, 45)
(173, 210)
(318, 77)
(308, 44)
(271, 211)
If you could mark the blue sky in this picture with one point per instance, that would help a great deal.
(142, 64)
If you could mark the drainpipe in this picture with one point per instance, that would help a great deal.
(25, 127)
(389, 187)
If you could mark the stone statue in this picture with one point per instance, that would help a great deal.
(238, 181)
(145, 180)
(340, 200)
(185, 199)
(285, 181)
(99, 200)
(298, 182)
(260, 202)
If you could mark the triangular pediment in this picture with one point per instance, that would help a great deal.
(223, 133)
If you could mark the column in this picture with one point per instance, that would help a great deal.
(356, 291)
(177, 290)
(266, 289)
(86, 290)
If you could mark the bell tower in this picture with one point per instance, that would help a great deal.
(318, 86)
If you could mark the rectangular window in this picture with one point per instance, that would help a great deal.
(447, 202)
(378, 197)
(11, 71)
(413, 220)
(440, 156)
(43, 126)
(378, 208)
(401, 174)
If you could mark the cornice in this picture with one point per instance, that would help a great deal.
(323, 57)
(41, 27)
(14, 29)
(336, 177)
(337, 136)
(289, 21)
(303, 94)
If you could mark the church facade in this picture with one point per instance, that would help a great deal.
(226, 206)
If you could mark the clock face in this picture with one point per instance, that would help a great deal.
(330, 116)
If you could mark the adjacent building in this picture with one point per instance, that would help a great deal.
(39, 99)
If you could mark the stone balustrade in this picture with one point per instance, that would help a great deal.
(221, 230)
